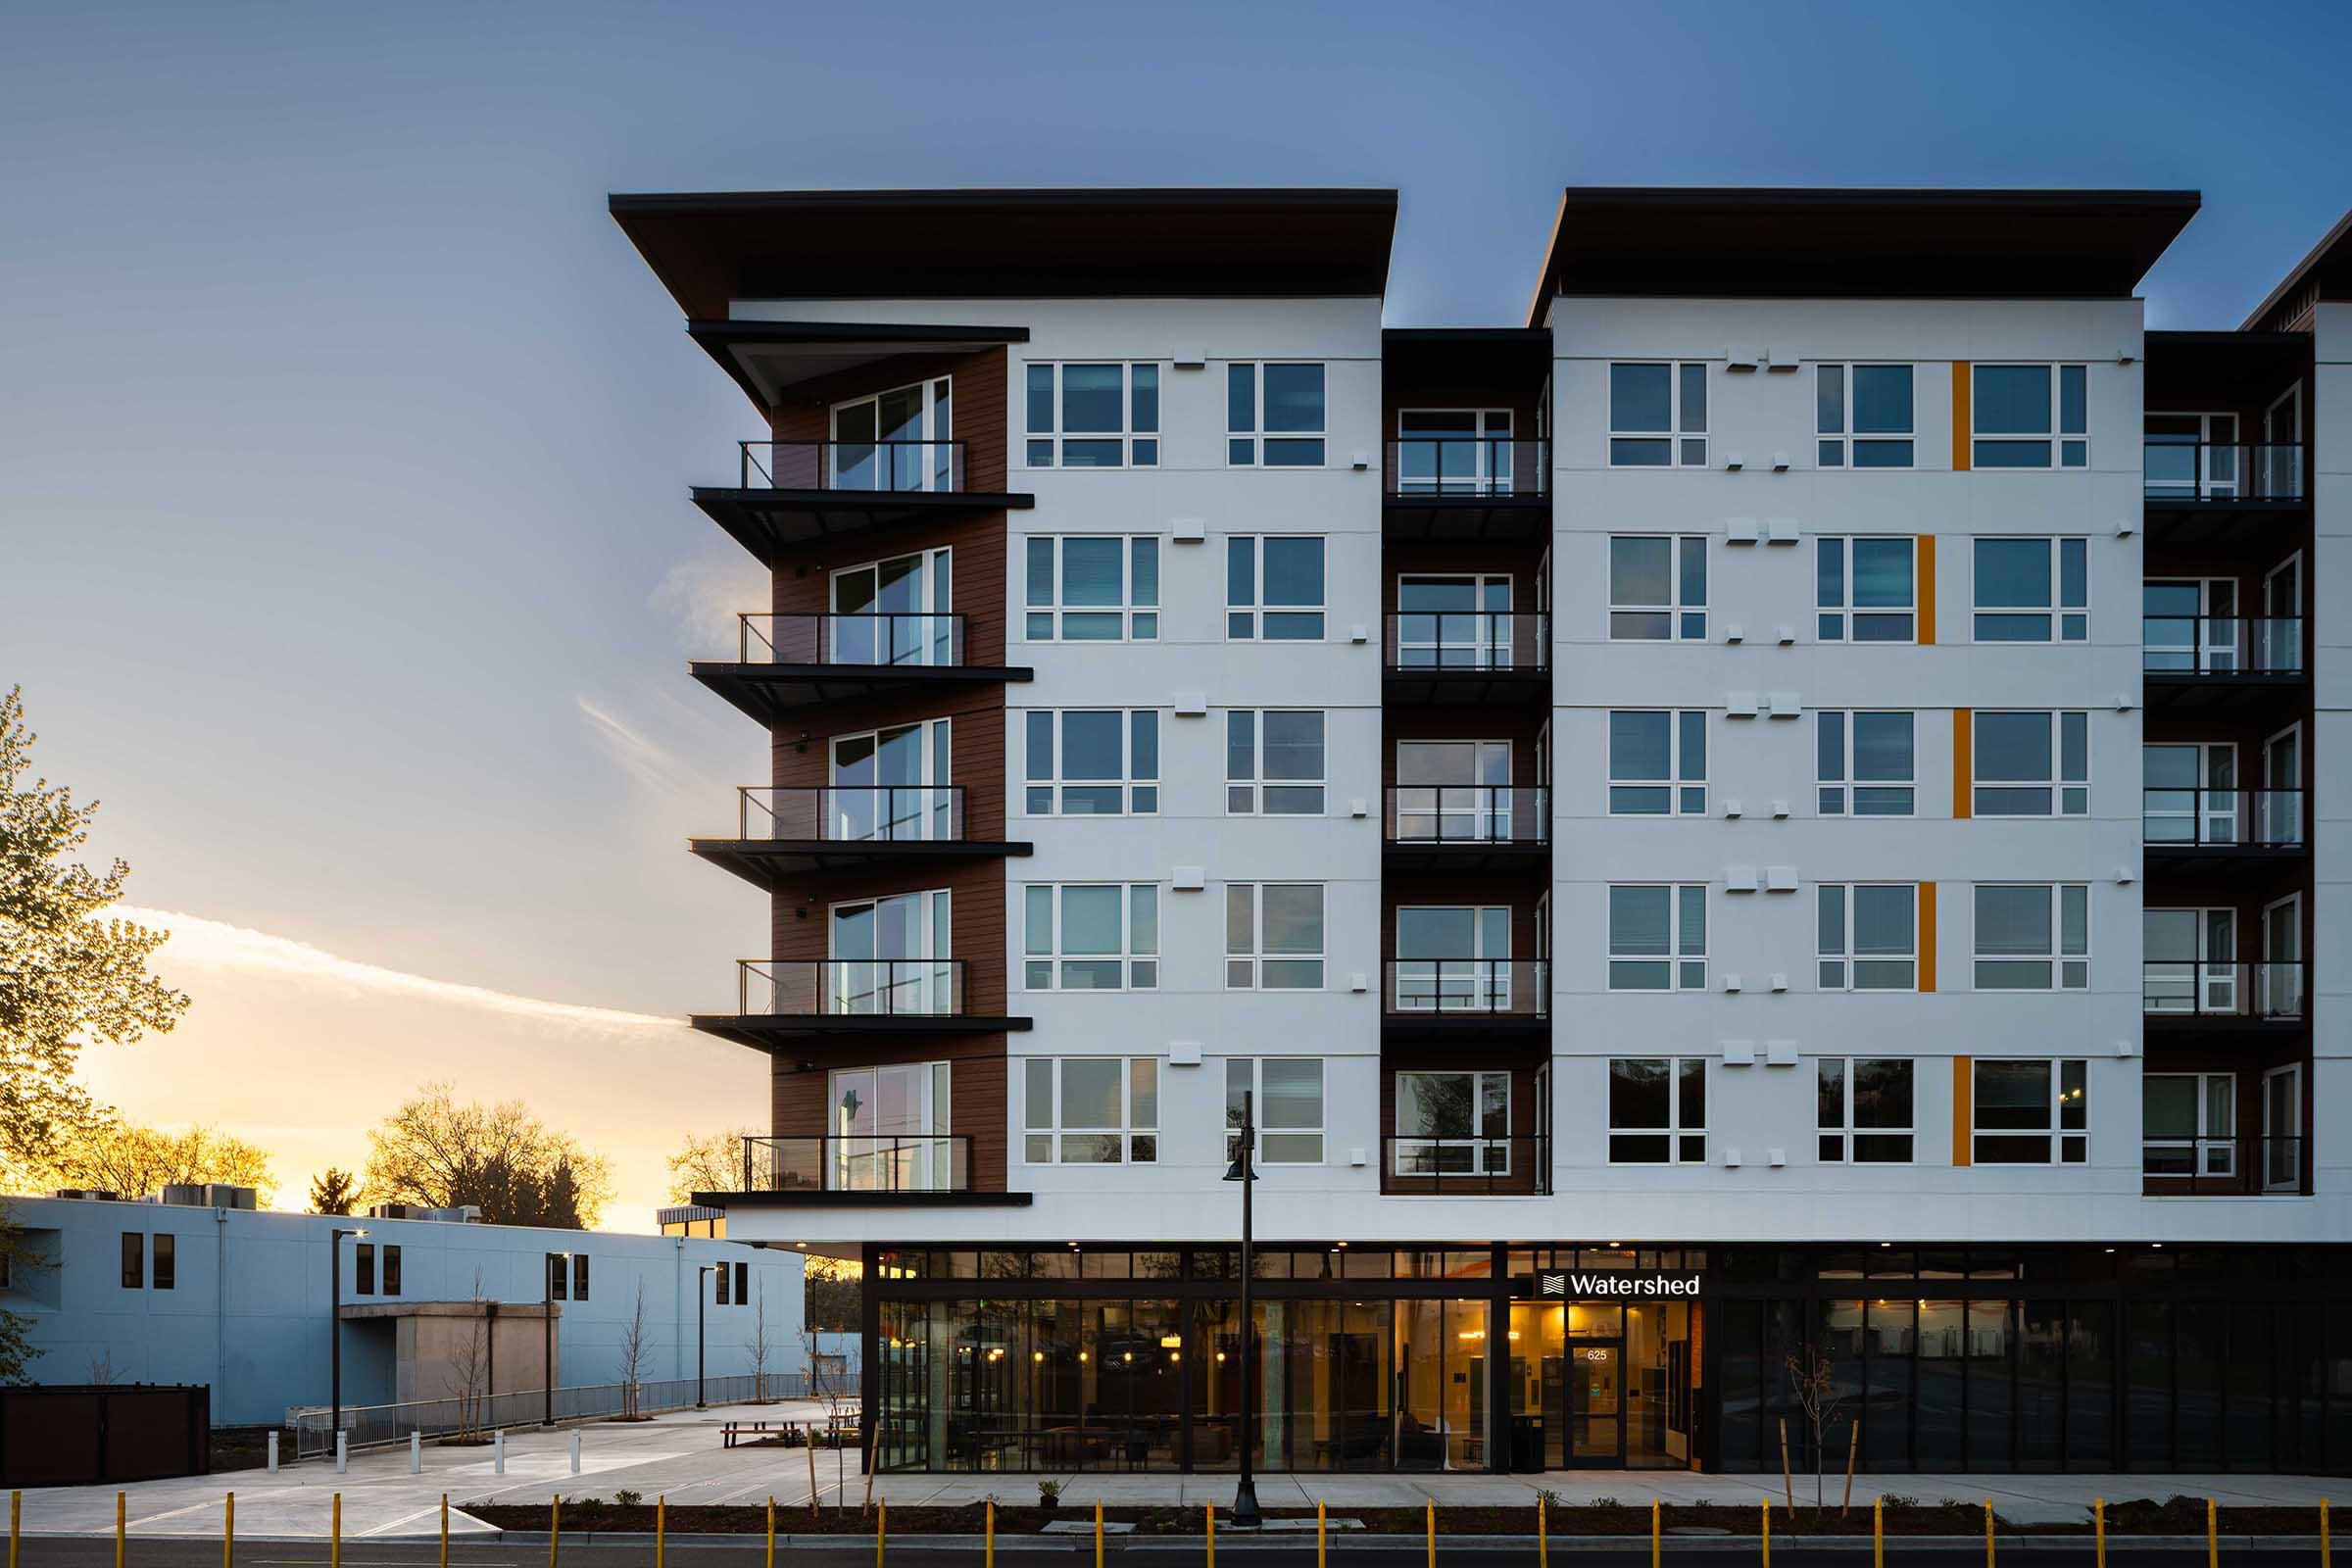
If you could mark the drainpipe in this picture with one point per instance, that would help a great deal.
(221, 1315)
(677, 1312)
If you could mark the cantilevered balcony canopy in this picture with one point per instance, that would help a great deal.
(784, 1002)
(789, 494)
(785, 665)
(782, 835)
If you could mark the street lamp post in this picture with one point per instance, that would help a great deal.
(334, 1327)
(547, 1330)
(701, 1298)
(1244, 1169)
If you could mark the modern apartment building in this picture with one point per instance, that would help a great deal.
(1770, 811)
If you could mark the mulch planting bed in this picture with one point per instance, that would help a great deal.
(2178, 1516)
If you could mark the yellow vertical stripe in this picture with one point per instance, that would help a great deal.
(1926, 590)
(1963, 1109)
(1927, 936)
(1961, 417)
(1964, 763)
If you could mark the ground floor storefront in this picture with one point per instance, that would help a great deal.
(1521, 1358)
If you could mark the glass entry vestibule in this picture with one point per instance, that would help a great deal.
(1602, 1383)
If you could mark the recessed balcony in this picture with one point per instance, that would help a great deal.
(2196, 491)
(1464, 1167)
(859, 1171)
(1468, 999)
(788, 833)
(1464, 827)
(781, 1001)
(2223, 996)
(789, 494)
(2195, 661)
(1466, 659)
(2259, 1166)
(786, 663)
(1470, 489)
(2191, 829)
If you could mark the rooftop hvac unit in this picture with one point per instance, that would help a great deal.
(88, 1195)
(394, 1212)
(224, 1195)
(188, 1194)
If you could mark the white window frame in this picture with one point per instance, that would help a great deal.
(1257, 610)
(2213, 816)
(1685, 793)
(938, 405)
(1844, 1133)
(1290, 1140)
(1837, 622)
(1492, 645)
(937, 645)
(2204, 983)
(1842, 435)
(1247, 795)
(933, 990)
(2067, 623)
(1685, 966)
(1246, 961)
(2054, 440)
(846, 819)
(1493, 445)
(1486, 1155)
(1686, 620)
(1678, 1128)
(1841, 795)
(2203, 1142)
(1839, 968)
(1255, 434)
(2292, 1179)
(1137, 959)
(1138, 796)
(1475, 812)
(1138, 442)
(2065, 1145)
(1686, 443)
(1048, 621)
(2069, 971)
(2069, 794)
(1477, 981)
(1138, 1137)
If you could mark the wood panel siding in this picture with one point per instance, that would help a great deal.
(976, 416)
(800, 1102)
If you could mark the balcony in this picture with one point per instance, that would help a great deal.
(789, 494)
(1464, 1167)
(2190, 829)
(2194, 662)
(2261, 1166)
(786, 663)
(1465, 489)
(779, 1002)
(2223, 997)
(1466, 659)
(1464, 827)
(1475, 998)
(783, 834)
(2196, 492)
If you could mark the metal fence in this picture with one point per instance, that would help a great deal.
(374, 1425)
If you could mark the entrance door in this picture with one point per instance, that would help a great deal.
(1455, 792)
(890, 784)
(2278, 990)
(2192, 457)
(2282, 1129)
(1596, 1402)
(2278, 635)
(1453, 623)
(896, 440)
(889, 956)
(2280, 819)
(894, 612)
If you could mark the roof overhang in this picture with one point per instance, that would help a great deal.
(768, 357)
(709, 249)
(2325, 274)
(2195, 373)
(1706, 243)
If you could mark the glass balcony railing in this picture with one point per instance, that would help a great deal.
(2201, 819)
(2222, 646)
(884, 465)
(2185, 469)
(935, 640)
(2222, 989)
(850, 988)
(855, 1163)
(851, 814)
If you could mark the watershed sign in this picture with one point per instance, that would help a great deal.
(1572, 1285)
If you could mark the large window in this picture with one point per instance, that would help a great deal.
(2188, 1124)
(1863, 414)
(363, 1268)
(1274, 588)
(134, 1260)
(1093, 588)
(1657, 588)
(1094, 415)
(1453, 1123)
(2032, 763)
(1080, 936)
(391, 1272)
(1865, 1114)
(1274, 936)
(2032, 936)
(1090, 1111)
(1092, 761)
(1865, 762)
(2019, 408)
(896, 440)
(1866, 590)
(1658, 415)
(2033, 590)
(1658, 936)
(1274, 761)
(1867, 935)
(1288, 1107)
(1274, 416)
(166, 1260)
(1658, 763)
(1657, 1110)
(2031, 1113)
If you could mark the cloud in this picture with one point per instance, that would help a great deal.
(642, 758)
(198, 943)
(705, 592)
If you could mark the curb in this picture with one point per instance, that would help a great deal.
(1340, 1540)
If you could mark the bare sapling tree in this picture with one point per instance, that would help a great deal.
(1813, 1380)
(762, 1349)
(632, 1358)
(103, 1374)
(828, 1387)
(469, 1372)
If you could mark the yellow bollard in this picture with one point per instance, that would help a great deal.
(2098, 1527)
(1988, 1533)
(122, 1513)
(1432, 1533)
(1319, 1557)
(772, 1530)
(228, 1532)
(660, 1529)
(1877, 1533)
(445, 1530)
(1211, 1509)
(989, 1557)
(1767, 1533)
(1654, 1533)
(1542, 1534)
(12, 1556)
(15, 1524)
(1098, 1535)
(882, 1531)
(555, 1525)
(334, 1538)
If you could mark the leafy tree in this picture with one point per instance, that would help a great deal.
(334, 1192)
(67, 977)
(438, 1152)
(17, 1348)
(136, 1161)
(712, 1162)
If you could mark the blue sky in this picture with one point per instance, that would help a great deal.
(344, 440)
